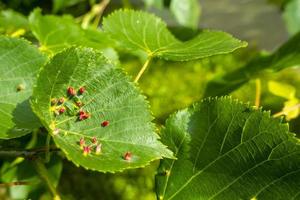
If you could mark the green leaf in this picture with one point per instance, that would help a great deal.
(11, 21)
(61, 4)
(187, 12)
(137, 30)
(159, 4)
(57, 33)
(288, 55)
(109, 96)
(228, 150)
(291, 16)
(19, 63)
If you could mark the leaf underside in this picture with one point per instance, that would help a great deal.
(109, 96)
(19, 64)
(137, 30)
(228, 150)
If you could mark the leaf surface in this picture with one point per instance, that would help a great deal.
(19, 64)
(228, 150)
(109, 98)
(137, 30)
(57, 33)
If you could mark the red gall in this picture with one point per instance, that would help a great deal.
(105, 123)
(127, 156)
(86, 150)
(71, 91)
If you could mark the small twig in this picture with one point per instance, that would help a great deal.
(14, 183)
(44, 175)
(142, 69)
(287, 110)
(30, 153)
(257, 92)
(47, 152)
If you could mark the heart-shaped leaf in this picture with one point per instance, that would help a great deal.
(94, 113)
(228, 150)
(19, 64)
(137, 30)
(57, 33)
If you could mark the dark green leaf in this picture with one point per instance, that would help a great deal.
(228, 150)
(288, 55)
(19, 63)
(109, 96)
(137, 30)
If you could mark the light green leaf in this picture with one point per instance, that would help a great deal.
(291, 109)
(137, 30)
(282, 89)
(109, 96)
(288, 55)
(57, 33)
(11, 21)
(19, 63)
(291, 16)
(187, 12)
(159, 4)
(228, 150)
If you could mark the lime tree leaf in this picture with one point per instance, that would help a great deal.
(61, 4)
(137, 30)
(118, 115)
(228, 150)
(288, 55)
(11, 21)
(291, 16)
(186, 12)
(57, 33)
(19, 63)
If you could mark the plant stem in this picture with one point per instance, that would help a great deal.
(47, 152)
(43, 173)
(288, 109)
(30, 153)
(143, 69)
(258, 92)
(14, 183)
(100, 10)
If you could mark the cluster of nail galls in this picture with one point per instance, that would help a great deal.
(62, 105)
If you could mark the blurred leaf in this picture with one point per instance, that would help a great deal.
(288, 55)
(57, 33)
(19, 63)
(228, 150)
(61, 4)
(281, 89)
(11, 21)
(137, 30)
(187, 12)
(291, 16)
(154, 3)
(109, 96)
(291, 113)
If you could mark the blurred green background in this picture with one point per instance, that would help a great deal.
(169, 86)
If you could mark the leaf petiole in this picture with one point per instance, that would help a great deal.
(143, 69)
